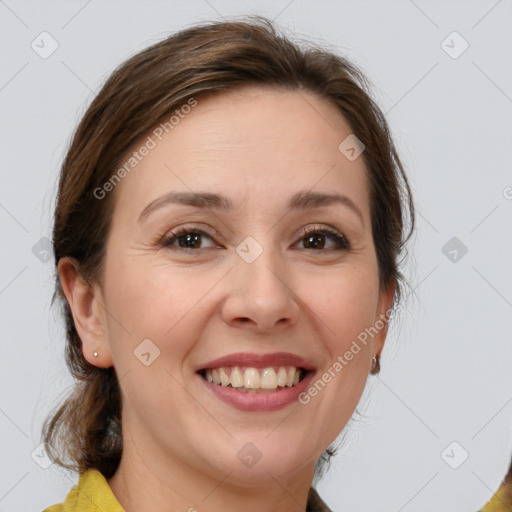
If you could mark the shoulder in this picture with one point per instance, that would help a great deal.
(501, 501)
(91, 494)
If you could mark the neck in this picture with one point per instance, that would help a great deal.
(139, 490)
(144, 482)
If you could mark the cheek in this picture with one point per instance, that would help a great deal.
(156, 303)
(343, 309)
(344, 304)
(154, 322)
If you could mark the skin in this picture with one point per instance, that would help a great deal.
(258, 146)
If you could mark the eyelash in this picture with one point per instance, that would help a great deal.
(341, 241)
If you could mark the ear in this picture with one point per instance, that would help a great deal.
(87, 306)
(382, 316)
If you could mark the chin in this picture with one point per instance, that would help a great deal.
(254, 460)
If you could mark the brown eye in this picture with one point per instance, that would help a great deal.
(316, 239)
(186, 238)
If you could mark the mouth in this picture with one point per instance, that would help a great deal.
(249, 379)
(254, 382)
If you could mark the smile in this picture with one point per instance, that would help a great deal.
(255, 380)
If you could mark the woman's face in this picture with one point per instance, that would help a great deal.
(243, 279)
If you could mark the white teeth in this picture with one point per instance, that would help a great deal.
(237, 379)
(289, 377)
(268, 378)
(281, 377)
(224, 377)
(252, 379)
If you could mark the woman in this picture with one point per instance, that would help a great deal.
(230, 216)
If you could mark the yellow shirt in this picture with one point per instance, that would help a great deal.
(93, 494)
(501, 501)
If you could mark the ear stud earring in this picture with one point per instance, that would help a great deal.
(375, 365)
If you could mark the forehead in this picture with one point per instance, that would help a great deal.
(250, 144)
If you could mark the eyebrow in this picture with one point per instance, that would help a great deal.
(300, 201)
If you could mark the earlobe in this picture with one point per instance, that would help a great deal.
(86, 304)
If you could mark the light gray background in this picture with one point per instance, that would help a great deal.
(446, 366)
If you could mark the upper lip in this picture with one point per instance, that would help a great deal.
(258, 361)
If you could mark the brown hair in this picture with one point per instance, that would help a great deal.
(85, 430)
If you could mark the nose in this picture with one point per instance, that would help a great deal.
(260, 295)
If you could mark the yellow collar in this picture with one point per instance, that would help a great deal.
(93, 494)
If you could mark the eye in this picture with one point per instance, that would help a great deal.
(314, 238)
(187, 238)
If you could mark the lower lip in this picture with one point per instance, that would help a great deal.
(259, 401)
